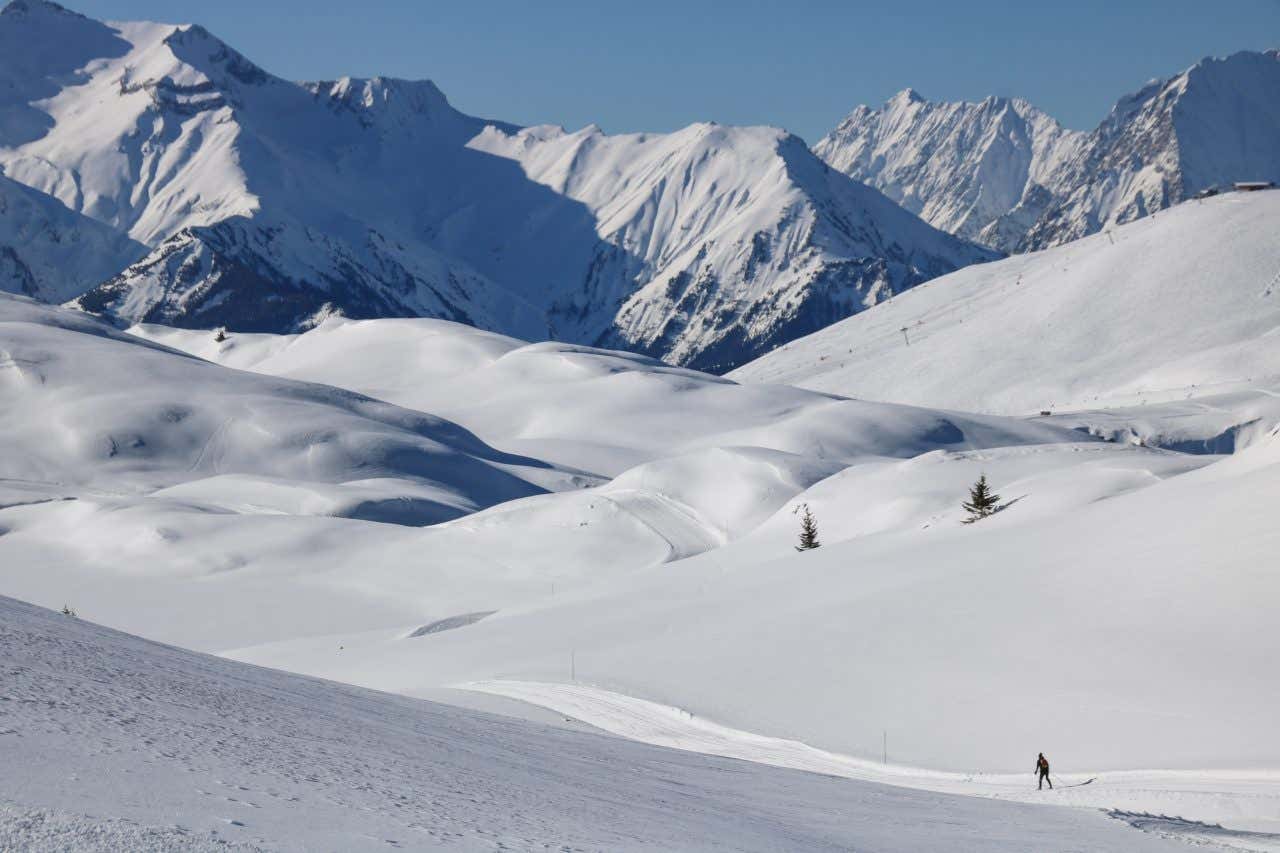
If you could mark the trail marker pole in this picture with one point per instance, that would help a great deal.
(886, 746)
(573, 665)
(904, 335)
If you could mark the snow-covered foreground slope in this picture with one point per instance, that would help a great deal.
(1180, 309)
(1152, 800)
(1003, 173)
(267, 204)
(112, 742)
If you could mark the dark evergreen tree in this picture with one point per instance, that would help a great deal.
(982, 501)
(808, 530)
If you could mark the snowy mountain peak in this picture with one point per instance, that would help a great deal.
(1003, 173)
(379, 92)
(907, 96)
(266, 203)
(36, 9)
(958, 166)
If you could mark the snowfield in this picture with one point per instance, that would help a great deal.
(644, 551)
(238, 492)
(413, 465)
(124, 743)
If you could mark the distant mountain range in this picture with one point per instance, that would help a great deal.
(151, 173)
(1003, 173)
(263, 204)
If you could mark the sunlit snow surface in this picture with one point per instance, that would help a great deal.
(1163, 330)
(413, 505)
(112, 742)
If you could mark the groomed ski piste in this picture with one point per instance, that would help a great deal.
(116, 743)
(1153, 800)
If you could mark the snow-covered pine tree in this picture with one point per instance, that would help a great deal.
(808, 530)
(982, 501)
(221, 336)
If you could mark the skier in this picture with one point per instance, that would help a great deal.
(1042, 769)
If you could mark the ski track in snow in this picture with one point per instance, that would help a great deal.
(112, 742)
(1245, 798)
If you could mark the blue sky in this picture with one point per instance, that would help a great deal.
(660, 64)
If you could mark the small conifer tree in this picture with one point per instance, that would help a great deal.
(808, 530)
(982, 501)
(221, 336)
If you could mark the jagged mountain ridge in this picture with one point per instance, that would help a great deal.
(267, 204)
(737, 237)
(1005, 174)
(959, 166)
(1215, 123)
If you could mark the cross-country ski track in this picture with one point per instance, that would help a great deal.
(1233, 810)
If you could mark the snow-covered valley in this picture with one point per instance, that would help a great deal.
(429, 509)
(385, 419)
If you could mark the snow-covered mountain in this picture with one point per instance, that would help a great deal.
(1004, 174)
(1215, 123)
(51, 252)
(723, 241)
(269, 204)
(960, 166)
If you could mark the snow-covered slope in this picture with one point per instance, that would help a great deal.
(1113, 619)
(52, 253)
(1179, 309)
(268, 204)
(598, 410)
(661, 567)
(1004, 174)
(89, 408)
(960, 166)
(170, 750)
(248, 490)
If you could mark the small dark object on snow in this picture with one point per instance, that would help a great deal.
(1044, 413)
(1254, 186)
(1042, 770)
(221, 336)
(982, 501)
(808, 530)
